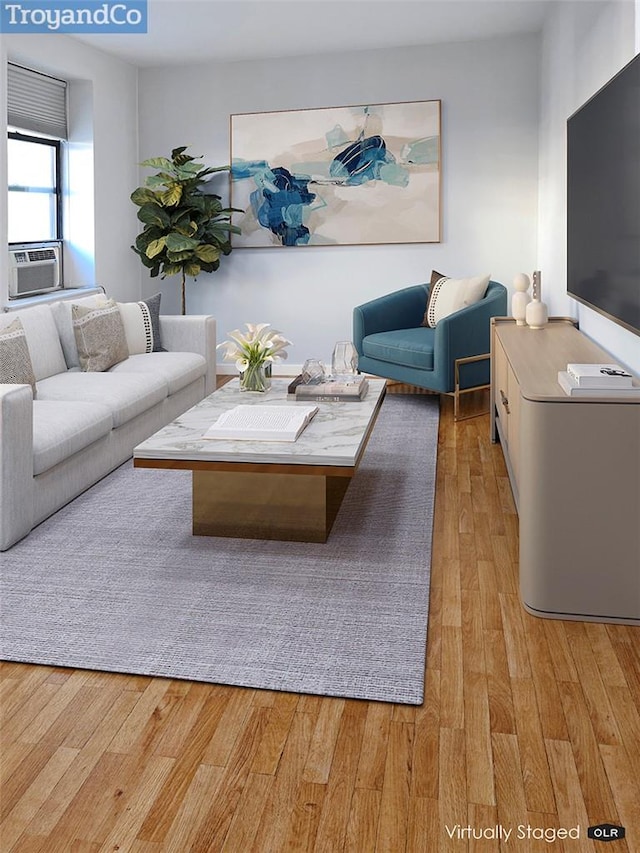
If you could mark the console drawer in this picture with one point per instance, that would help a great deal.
(507, 402)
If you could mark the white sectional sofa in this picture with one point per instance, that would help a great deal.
(81, 425)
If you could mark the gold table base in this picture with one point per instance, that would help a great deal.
(250, 505)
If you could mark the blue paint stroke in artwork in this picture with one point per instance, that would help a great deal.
(282, 206)
(247, 168)
(423, 151)
(336, 136)
(364, 160)
(394, 175)
(280, 201)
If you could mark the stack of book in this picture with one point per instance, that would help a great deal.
(341, 390)
(597, 380)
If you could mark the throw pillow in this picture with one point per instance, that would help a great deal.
(448, 295)
(100, 335)
(142, 324)
(64, 322)
(15, 361)
(435, 277)
(42, 339)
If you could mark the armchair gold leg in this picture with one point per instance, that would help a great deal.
(458, 391)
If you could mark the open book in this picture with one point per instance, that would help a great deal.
(262, 423)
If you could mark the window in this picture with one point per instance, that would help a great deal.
(37, 116)
(34, 212)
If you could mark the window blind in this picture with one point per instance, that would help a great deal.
(36, 102)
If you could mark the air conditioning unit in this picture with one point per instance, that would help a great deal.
(34, 269)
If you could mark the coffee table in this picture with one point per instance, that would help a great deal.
(266, 489)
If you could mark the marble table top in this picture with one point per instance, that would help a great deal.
(335, 436)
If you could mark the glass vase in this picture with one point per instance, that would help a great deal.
(344, 361)
(257, 377)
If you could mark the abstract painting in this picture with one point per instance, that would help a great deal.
(337, 175)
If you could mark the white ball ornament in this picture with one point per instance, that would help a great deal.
(520, 298)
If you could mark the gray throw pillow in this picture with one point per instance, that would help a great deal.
(153, 304)
(100, 336)
(15, 361)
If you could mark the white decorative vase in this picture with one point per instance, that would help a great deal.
(536, 313)
(520, 298)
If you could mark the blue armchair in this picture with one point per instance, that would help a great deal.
(452, 358)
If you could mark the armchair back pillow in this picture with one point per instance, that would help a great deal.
(447, 295)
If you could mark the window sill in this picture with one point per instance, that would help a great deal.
(53, 296)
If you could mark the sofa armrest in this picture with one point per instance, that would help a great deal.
(16, 463)
(192, 333)
(403, 309)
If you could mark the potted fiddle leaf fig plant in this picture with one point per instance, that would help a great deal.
(186, 230)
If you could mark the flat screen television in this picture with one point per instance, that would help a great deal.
(603, 200)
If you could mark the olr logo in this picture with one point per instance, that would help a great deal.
(606, 832)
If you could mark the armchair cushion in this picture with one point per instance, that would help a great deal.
(448, 295)
(407, 347)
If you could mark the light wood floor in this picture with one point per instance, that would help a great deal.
(526, 722)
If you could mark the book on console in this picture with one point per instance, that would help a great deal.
(599, 376)
(570, 387)
(262, 423)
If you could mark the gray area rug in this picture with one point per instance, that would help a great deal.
(115, 581)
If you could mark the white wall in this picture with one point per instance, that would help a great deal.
(584, 45)
(489, 96)
(103, 219)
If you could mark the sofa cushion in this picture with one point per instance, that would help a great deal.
(62, 316)
(62, 429)
(408, 347)
(43, 341)
(125, 395)
(448, 295)
(100, 335)
(178, 369)
(15, 361)
(142, 325)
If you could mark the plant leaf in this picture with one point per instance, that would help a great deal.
(177, 152)
(171, 269)
(157, 163)
(172, 196)
(143, 196)
(158, 180)
(207, 253)
(153, 214)
(155, 247)
(178, 257)
(178, 243)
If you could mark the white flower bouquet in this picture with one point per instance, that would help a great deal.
(253, 352)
